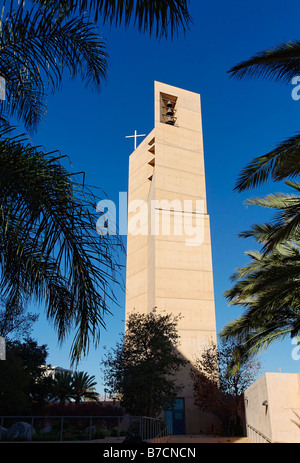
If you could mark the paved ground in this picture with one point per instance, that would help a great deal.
(170, 440)
(188, 440)
(206, 440)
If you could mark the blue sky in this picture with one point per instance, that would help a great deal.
(241, 120)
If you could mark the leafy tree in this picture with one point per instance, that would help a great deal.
(14, 322)
(218, 384)
(13, 384)
(49, 248)
(141, 369)
(22, 384)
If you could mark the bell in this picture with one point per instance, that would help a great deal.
(170, 112)
(170, 104)
(170, 121)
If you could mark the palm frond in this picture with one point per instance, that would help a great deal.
(280, 163)
(260, 232)
(50, 248)
(162, 17)
(255, 342)
(285, 225)
(267, 288)
(36, 47)
(280, 63)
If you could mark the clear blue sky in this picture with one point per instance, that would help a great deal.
(241, 119)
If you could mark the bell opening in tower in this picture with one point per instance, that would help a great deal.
(168, 109)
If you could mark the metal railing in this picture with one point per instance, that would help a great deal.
(257, 436)
(162, 436)
(150, 427)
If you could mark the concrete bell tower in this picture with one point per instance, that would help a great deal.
(169, 262)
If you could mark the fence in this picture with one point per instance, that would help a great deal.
(77, 428)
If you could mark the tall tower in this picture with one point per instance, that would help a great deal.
(169, 262)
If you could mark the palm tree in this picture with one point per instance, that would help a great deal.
(62, 387)
(40, 42)
(50, 249)
(78, 385)
(268, 289)
(280, 63)
(37, 46)
(164, 17)
(49, 246)
(83, 387)
(268, 286)
(285, 225)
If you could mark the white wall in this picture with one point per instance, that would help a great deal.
(279, 420)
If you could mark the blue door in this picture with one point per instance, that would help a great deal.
(175, 418)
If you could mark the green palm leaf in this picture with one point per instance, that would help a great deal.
(278, 164)
(83, 386)
(62, 386)
(164, 17)
(268, 286)
(50, 249)
(286, 221)
(36, 47)
(280, 63)
(268, 289)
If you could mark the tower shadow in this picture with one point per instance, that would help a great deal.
(202, 408)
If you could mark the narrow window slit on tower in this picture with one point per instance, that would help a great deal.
(151, 166)
(151, 161)
(151, 144)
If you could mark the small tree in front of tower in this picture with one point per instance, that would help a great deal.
(219, 382)
(141, 369)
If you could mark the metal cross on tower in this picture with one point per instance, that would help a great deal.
(135, 136)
